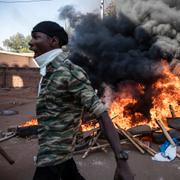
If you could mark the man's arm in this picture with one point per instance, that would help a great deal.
(123, 171)
(112, 135)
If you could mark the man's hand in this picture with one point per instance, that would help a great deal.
(123, 171)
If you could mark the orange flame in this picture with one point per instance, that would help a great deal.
(165, 92)
(118, 109)
(89, 126)
(29, 123)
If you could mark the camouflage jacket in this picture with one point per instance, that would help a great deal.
(65, 91)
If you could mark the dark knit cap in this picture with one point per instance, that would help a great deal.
(52, 29)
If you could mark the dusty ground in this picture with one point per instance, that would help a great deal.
(97, 166)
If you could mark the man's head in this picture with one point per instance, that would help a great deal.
(46, 36)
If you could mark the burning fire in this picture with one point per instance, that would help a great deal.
(165, 95)
(89, 126)
(84, 127)
(121, 108)
(32, 122)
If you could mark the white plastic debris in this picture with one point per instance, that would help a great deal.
(168, 155)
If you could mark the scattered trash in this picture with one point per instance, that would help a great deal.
(168, 155)
(165, 145)
(6, 135)
(167, 151)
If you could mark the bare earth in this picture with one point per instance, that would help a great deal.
(97, 165)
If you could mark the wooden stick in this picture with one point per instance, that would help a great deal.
(103, 148)
(100, 146)
(93, 148)
(172, 111)
(115, 117)
(165, 132)
(123, 141)
(161, 125)
(151, 151)
(6, 156)
(91, 144)
(7, 137)
(130, 139)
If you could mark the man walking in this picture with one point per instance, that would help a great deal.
(64, 90)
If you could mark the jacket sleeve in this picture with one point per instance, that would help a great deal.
(81, 88)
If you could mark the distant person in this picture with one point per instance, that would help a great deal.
(64, 90)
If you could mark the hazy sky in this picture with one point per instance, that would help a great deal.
(21, 17)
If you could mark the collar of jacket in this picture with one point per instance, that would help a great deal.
(57, 61)
(46, 58)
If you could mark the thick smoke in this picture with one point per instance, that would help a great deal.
(68, 12)
(129, 46)
(158, 22)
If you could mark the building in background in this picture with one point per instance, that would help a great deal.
(11, 59)
(18, 70)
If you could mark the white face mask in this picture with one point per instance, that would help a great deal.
(44, 59)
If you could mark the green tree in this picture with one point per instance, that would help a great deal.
(17, 43)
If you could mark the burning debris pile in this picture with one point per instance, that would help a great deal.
(130, 102)
(129, 56)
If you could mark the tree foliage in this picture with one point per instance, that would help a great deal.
(17, 43)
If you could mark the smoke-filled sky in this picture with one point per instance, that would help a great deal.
(21, 17)
(127, 47)
(125, 50)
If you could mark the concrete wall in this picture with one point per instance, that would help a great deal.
(13, 77)
(11, 59)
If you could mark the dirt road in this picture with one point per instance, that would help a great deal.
(97, 166)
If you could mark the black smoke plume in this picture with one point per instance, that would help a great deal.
(129, 46)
